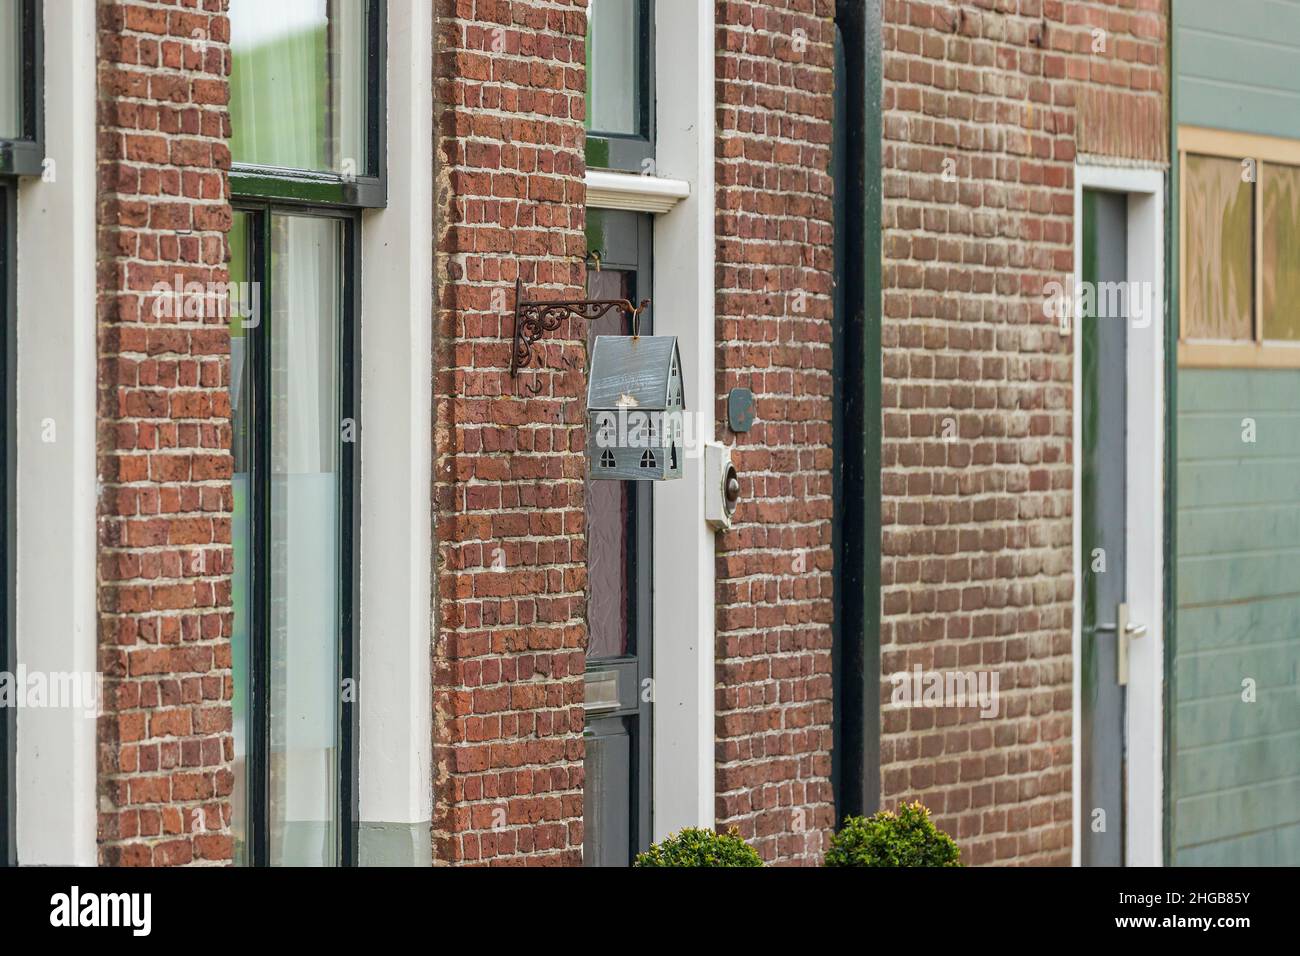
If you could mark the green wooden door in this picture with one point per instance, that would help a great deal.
(1103, 407)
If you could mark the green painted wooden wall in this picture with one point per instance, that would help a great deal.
(1237, 65)
(1235, 772)
(1234, 767)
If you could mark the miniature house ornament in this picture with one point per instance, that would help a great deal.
(635, 408)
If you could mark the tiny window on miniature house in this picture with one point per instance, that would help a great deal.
(607, 459)
(607, 433)
(1239, 250)
(648, 459)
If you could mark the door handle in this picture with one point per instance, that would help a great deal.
(1132, 630)
(1127, 631)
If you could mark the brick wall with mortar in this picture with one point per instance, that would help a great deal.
(774, 271)
(164, 463)
(508, 453)
(976, 543)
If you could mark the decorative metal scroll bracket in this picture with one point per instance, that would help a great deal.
(535, 319)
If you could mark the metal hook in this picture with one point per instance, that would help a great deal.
(636, 317)
(595, 254)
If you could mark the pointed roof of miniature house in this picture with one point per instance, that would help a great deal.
(632, 372)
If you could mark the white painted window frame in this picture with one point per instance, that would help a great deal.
(56, 480)
(684, 252)
(395, 751)
(682, 197)
(1144, 720)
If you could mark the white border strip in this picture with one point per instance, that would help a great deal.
(396, 746)
(683, 743)
(56, 480)
(1145, 517)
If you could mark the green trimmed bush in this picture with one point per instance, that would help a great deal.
(906, 838)
(692, 847)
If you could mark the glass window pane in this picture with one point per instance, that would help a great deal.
(613, 68)
(306, 264)
(610, 507)
(11, 71)
(1281, 253)
(298, 84)
(1219, 244)
(241, 413)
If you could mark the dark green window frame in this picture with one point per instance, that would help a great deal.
(8, 537)
(24, 154)
(263, 192)
(258, 824)
(620, 151)
(369, 188)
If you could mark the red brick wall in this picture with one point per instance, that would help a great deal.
(164, 461)
(774, 279)
(976, 544)
(508, 454)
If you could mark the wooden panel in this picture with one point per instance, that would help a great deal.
(1239, 763)
(1275, 847)
(1220, 672)
(1218, 222)
(1229, 483)
(1237, 812)
(1207, 627)
(1280, 251)
(1243, 355)
(1234, 65)
(1210, 435)
(1203, 723)
(1243, 392)
(1231, 531)
(1235, 767)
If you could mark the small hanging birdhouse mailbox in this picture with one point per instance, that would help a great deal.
(635, 408)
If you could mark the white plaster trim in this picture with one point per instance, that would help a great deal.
(1144, 764)
(611, 190)
(56, 482)
(395, 692)
(683, 742)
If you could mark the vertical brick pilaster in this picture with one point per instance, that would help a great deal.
(508, 453)
(774, 268)
(164, 463)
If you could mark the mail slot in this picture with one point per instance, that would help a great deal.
(601, 691)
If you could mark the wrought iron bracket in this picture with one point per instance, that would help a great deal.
(533, 319)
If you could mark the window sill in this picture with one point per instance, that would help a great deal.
(306, 187)
(612, 190)
(1204, 354)
(20, 158)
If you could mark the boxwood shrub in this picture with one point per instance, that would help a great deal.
(692, 847)
(906, 838)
